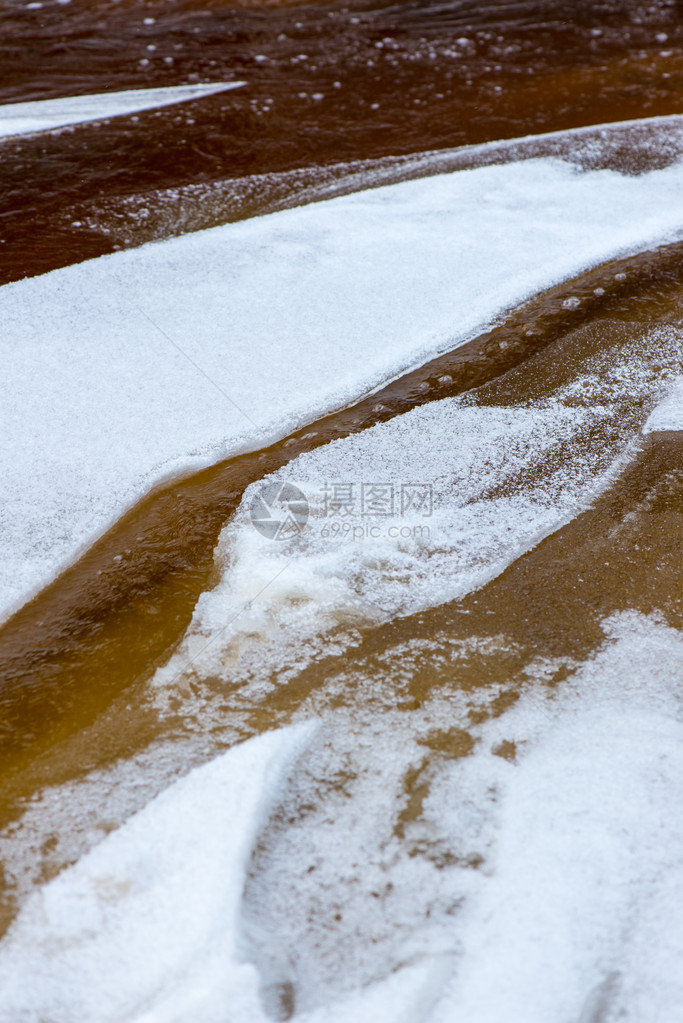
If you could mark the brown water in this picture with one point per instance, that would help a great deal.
(120, 610)
(326, 84)
(392, 80)
(114, 622)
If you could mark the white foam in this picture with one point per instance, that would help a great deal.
(123, 370)
(145, 928)
(48, 114)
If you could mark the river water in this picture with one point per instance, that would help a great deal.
(377, 717)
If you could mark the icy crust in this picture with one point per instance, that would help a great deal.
(537, 890)
(631, 147)
(546, 888)
(145, 927)
(416, 511)
(579, 919)
(124, 370)
(48, 114)
(668, 415)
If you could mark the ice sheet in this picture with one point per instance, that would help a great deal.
(668, 415)
(124, 370)
(48, 114)
(628, 146)
(579, 920)
(421, 509)
(146, 926)
(572, 914)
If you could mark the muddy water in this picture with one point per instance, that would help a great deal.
(116, 621)
(118, 613)
(325, 85)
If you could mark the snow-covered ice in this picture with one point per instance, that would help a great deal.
(158, 903)
(48, 114)
(574, 913)
(422, 509)
(668, 414)
(580, 918)
(122, 371)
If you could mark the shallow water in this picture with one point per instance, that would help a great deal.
(127, 602)
(405, 705)
(479, 646)
(435, 688)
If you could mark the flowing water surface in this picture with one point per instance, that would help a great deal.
(475, 636)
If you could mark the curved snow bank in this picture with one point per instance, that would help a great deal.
(422, 509)
(146, 926)
(630, 147)
(123, 370)
(48, 114)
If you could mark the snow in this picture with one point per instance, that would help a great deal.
(574, 914)
(419, 510)
(145, 927)
(668, 415)
(48, 114)
(579, 919)
(126, 370)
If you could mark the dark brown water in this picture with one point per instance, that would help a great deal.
(325, 84)
(121, 609)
